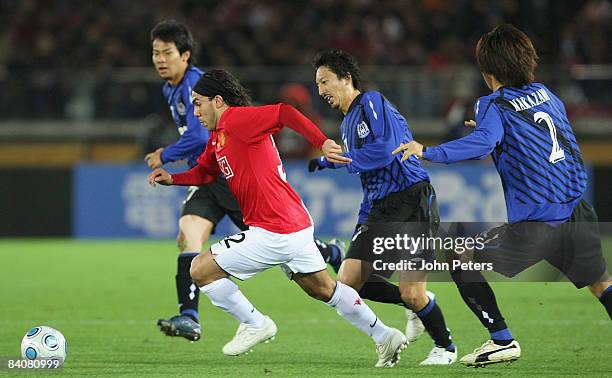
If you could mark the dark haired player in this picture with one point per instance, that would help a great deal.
(525, 129)
(206, 205)
(394, 192)
(280, 228)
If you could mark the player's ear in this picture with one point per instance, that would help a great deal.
(349, 79)
(219, 101)
(185, 56)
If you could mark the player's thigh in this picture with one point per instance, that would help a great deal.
(199, 202)
(511, 248)
(194, 231)
(305, 257)
(249, 252)
(205, 270)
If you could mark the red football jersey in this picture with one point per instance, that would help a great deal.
(242, 148)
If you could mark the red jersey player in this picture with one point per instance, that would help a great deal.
(280, 228)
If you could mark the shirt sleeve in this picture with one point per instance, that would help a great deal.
(324, 163)
(377, 154)
(256, 123)
(479, 144)
(192, 139)
(206, 171)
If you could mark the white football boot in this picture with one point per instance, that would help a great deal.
(247, 337)
(414, 325)
(389, 350)
(440, 356)
(491, 353)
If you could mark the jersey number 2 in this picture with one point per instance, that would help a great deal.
(557, 154)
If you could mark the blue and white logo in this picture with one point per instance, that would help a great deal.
(181, 109)
(363, 130)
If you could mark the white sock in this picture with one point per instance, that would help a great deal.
(351, 307)
(227, 296)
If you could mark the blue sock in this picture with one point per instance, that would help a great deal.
(502, 337)
(433, 320)
(606, 300)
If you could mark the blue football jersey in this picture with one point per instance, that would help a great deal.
(193, 135)
(371, 129)
(534, 149)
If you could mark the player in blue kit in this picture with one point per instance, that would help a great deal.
(524, 127)
(204, 206)
(395, 193)
(173, 48)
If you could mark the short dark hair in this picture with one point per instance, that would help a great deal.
(223, 83)
(341, 63)
(174, 31)
(508, 54)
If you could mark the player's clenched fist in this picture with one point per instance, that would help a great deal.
(160, 176)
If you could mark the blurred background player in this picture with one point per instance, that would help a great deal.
(205, 206)
(280, 227)
(523, 125)
(394, 191)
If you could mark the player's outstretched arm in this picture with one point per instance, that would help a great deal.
(160, 176)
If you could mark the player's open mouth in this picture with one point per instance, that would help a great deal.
(329, 99)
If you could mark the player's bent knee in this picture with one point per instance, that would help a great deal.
(199, 269)
(351, 278)
(414, 296)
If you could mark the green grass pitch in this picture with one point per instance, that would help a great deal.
(106, 296)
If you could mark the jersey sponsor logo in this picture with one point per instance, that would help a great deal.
(363, 130)
(225, 167)
(181, 109)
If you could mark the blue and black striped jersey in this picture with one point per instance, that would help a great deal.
(534, 150)
(371, 130)
(193, 135)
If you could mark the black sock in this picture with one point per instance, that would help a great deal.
(187, 292)
(433, 320)
(330, 253)
(380, 290)
(478, 295)
(606, 300)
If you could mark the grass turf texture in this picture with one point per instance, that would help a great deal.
(106, 296)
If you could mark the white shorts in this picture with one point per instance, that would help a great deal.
(247, 253)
